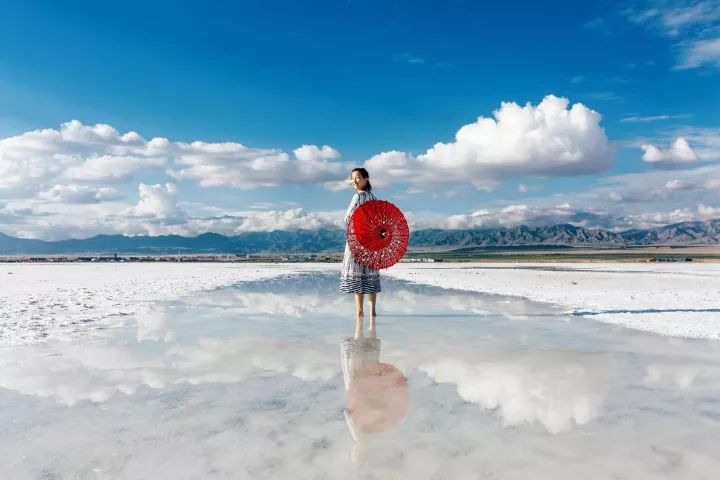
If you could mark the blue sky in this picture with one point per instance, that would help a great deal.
(258, 80)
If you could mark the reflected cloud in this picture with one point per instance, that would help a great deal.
(403, 301)
(553, 388)
(679, 374)
(224, 361)
(71, 373)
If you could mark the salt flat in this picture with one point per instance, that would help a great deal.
(678, 299)
(243, 378)
(60, 300)
(675, 299)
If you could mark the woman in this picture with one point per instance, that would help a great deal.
(355, 277)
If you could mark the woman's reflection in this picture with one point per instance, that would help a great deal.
(377, 393)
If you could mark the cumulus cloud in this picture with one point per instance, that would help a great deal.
(311, 153)
(78, 153)
(550, 139)
(238, 166)
(679, 153)
(394, 165)
(157, 202)
(33, 160)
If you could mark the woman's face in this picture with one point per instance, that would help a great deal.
(357, 181)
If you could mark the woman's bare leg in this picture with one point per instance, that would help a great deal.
(359, 297)
(371, 327)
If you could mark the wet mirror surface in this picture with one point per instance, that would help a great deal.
(278, 379)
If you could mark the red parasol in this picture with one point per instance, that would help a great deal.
(378, 234)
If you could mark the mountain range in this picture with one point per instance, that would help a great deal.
(333, 240)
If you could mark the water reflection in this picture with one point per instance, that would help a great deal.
(314, 296)
(245, 382)
(377, 395)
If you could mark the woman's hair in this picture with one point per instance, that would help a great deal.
(365, 175)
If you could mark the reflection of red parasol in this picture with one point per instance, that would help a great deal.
(378, 234)
(377, 398)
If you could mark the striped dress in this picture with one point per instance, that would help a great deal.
(356, 277)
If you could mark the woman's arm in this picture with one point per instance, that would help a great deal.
(353, 205)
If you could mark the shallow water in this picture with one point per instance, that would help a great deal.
(247, 382)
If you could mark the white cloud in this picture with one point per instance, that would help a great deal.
(33, 160)
(694, 24)
(651, 118)
(235, 165)
(678, 154)
(700, 53)
(638, 200)
(158, 202)
(675, 17)
(549, 139)
(552, 138)
(109, 168)
(311, 153)
(677, 185)
(708, 212)
(706, 142)
(292, 219)
(505, 217)
(392, 165)
(78, 153)
(659, 218)
(524, 188)
(78, 194)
